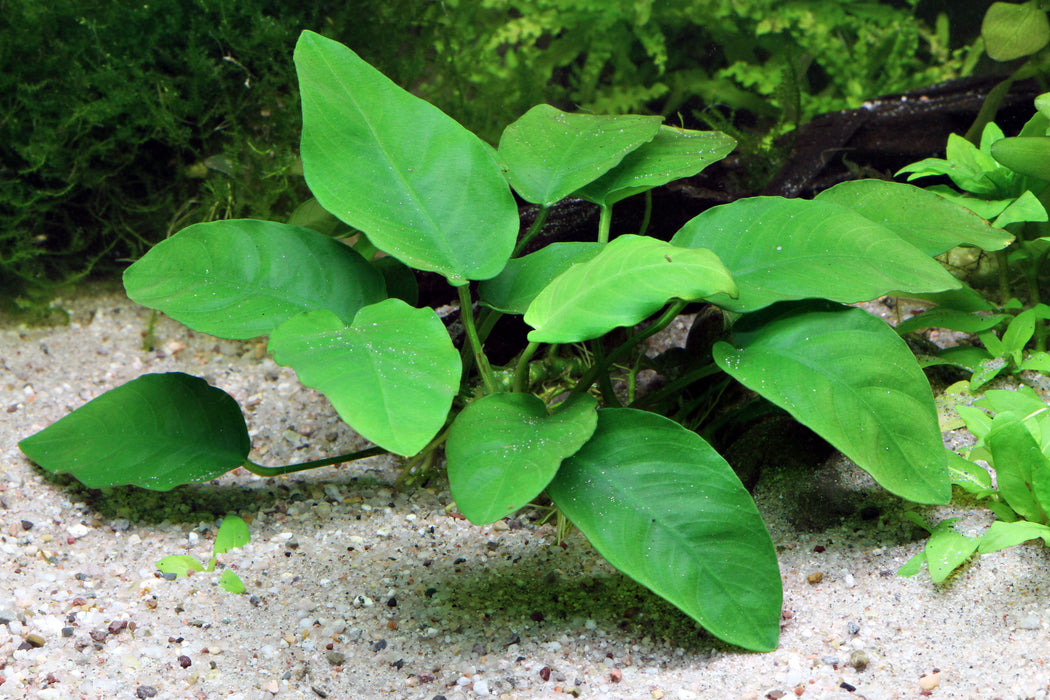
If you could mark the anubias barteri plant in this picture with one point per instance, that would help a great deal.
(652, 496)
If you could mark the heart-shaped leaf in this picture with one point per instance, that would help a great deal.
(391, 375)
(673, 154)
(156, 432)
(780, 249)
(179, 564)
(629, 280)
(928, 221)
(242, 278)
(851, 379)
(423, 188)
(664, 508)
(504, 449)
(550, 154)
(512, 290)
(1012, 30)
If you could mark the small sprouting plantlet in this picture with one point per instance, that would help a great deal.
(651, 495)
(1004, 180)
(232, 533)
(1013, 437)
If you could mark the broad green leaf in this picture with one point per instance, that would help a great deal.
(977, 421)
(1025, 208)
(971, 478)
(400, 281)
(1012, 30)
(1028, 155)
(1001, 535)
(179, 564)
(1017, 334)
(549, 154)
(310, 214)
(782, 249)
(1023, 402)
(242, 278)
(851, 379)
(664, 508)
(512, 290)
(947, 550)
(1016, 457)
(423, 188)
(928, 221)
(629, 280)
(231, 582)
(156, 432)
(673, 154)
(391, 375)
(504, 449)
(232, 533)
(952, 320)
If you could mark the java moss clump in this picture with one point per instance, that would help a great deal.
(121, 122)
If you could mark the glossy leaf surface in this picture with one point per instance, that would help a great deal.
(671, 155)
(783, 249)
(851, 379)
(629, 280)
(391, 375)
(1028, 155)
(156, 432)
(550, 153)
(524, 278)
(1011, 30)
(664, 508)
(504, 449)
(242, 278)
(423, 188)
(928, 221)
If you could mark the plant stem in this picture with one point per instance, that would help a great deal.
(603, 379)
(303, 466)
(648, 213)
(604, 223)
(676, 386)
(537, 224)
(466, 313)
(662, 322)
(521, 371)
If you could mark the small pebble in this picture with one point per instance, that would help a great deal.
(930, 681)
(35, 640)
(379, 646)
(853, 627)
(27, 525)
(1029, 622)
(185, 661)
(481, 687)
(859, 659)
(815, 578)
(145, 691)
(335, 658)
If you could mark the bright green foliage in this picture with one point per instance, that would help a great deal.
(242, 278)
(629, 280)
(800, 249)
(549, 154)
(663, 507)
(1013, 431)
(372, 371)
(157, 432)
(877, 410)
(1012, 30)
(652, 496)
(233, 533)
(1004, 180)
(504, 449)
(423, 188)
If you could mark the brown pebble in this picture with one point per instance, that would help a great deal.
(545, 673)
(35, 640)
(335, 658)
(930, 681)
(616, 675)
(118, 626)
(99, 635)
(815, 578)
(185, 661)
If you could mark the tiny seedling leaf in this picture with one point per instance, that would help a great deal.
(232, 533)
(179, 564)
(231, 582)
